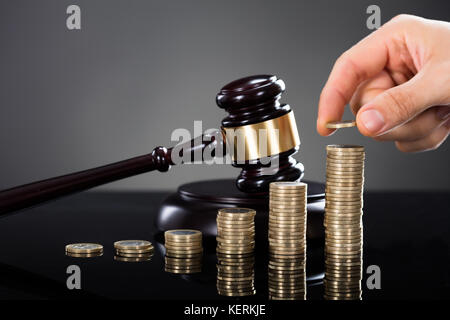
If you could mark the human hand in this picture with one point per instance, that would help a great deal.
(397, 82)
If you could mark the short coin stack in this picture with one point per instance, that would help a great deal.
(287, 240)
(343, 222)
(133, 250)
(84, 250)
(184, 251)
(235, 252)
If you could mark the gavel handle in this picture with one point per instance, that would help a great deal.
(37, 192)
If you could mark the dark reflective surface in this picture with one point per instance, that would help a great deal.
(406, 234)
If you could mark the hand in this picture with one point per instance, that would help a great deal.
(397, 81)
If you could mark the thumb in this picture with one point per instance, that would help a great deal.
(395, 106)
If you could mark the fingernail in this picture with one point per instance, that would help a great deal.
(373, 120)
(443, 112)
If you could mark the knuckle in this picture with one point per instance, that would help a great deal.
(402, 17)
(435, 142)
(401, 104)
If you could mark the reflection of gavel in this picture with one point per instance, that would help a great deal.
(252, 103)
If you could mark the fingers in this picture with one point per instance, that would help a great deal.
(419, 127)
(431, 142)
(363, 61)
(369, 89)
(397, 105)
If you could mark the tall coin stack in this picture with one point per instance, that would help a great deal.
(343, 222)
(235, 252)
(184, 251)
(287, 240)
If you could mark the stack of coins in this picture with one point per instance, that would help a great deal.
(84, 250)
(184, 251)
(343, 222)
(133, 250)
(287, 240)
(235, 252)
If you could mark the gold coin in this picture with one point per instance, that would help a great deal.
(149, 250)
(181, 271)
(283, 262)
(283, 202)
(236, 212)
(349, 175)
(275, 238)
(287, 250)
(295, 211)
(291, 267)
(287, 219)
(133, 245)
(182, 234)
(235, 228)
(288, 195)
(345, 158)
(84, 248)
(235, 251)
(227, 268)
(84, 255)
(349, 199)
(179, 260)
(287, 205)
(341, 124)
(184, 251)
(335, 185)
(248, 217)
(243, 236)
(339, 284)
(245, 288)
(344, 212)
(293, 231)
(344, 164)
(235, 242)
(191, 249)
(184, 255)
(357, 193)
(183, 244)
(345, 147)
(234, 232)
(135, 255)
(288, 185)
(127, 259)
(341, 170)
(300, 218)
(237, 224)
(342, 193)
(239, 294)
(287, 285)
(331, 182)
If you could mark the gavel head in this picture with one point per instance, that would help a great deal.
(260, 132)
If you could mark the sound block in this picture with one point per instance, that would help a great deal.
(195, 205)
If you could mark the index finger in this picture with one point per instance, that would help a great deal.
(364, 60)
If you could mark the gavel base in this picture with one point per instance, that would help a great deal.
(195, 205)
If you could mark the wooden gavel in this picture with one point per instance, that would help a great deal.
(252, 104)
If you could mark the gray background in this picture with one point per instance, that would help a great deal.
(71, 100)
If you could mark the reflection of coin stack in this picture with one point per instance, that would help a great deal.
(343, 223)
(84, 250)
(184, 251)
(287, 240)
(235, 252)
(133, 250)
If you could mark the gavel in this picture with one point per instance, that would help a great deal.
(252, 104)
